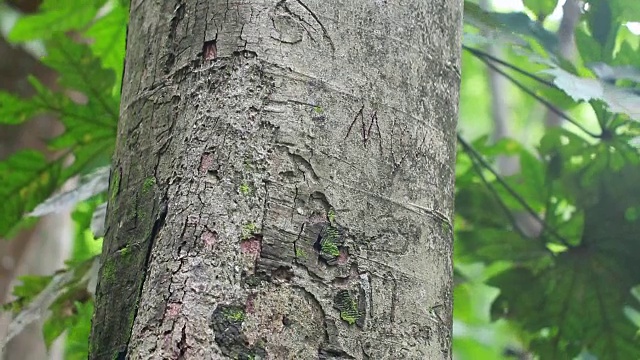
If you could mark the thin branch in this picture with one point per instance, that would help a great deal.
(471, 151)
(480, 53)
(503, 206)
(550, 106)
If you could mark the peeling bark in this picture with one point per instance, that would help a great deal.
(282, 186)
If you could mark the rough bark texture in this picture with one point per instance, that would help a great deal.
(283, 181)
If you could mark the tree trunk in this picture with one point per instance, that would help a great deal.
(282, 186)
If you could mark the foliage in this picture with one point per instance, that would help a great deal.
(567, 290)
(84, 42)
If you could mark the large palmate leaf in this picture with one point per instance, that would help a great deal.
(619, 100)
(109, 35)
(89, 136)
(55, 16)
(577, 299)
(575, 296)
(27, 179)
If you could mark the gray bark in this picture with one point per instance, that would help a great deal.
(282, 186)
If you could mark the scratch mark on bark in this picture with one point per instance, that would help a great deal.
(325, 33)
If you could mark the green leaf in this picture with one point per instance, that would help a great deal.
(77, 346)
(491, 245)
(590, 50)
(67, 311)
(28, 179)
(579, 300)
(79, 68)
(541, 8)
(28, 288)
(109, 36)
(626, 10)
(90, 131)
(600, 19)
(15, 110)
(619, 100)
(55, 16)
(507, 28)
(575, 302)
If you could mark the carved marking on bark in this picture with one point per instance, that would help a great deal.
(366, 129)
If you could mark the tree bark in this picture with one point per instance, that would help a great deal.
(282, 186)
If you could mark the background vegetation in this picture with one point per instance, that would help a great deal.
(547, 258)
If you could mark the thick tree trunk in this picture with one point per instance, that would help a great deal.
(282, 186)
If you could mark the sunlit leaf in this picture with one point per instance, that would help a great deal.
(28, 179)
(619, 100)
(55, 16)
(541, 8)
(109, 35)
(15, 110)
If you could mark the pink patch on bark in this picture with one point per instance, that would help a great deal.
(210, 238)
(206, 160)
(249, 308)
(343, 257)
(173, 310)
(252, 246)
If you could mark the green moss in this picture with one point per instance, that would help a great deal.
(329, 247)
(348, 307)
(348, 317)
(115, 185)
(125, 251)
(109, 270)
(142, 215)
(248, 230)
(148, 184)
(132, 316)
(235, 315)
(318, 110)
(331, 215)
(252, 281)
(328, 244)
(245, 189)
(301, 254)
